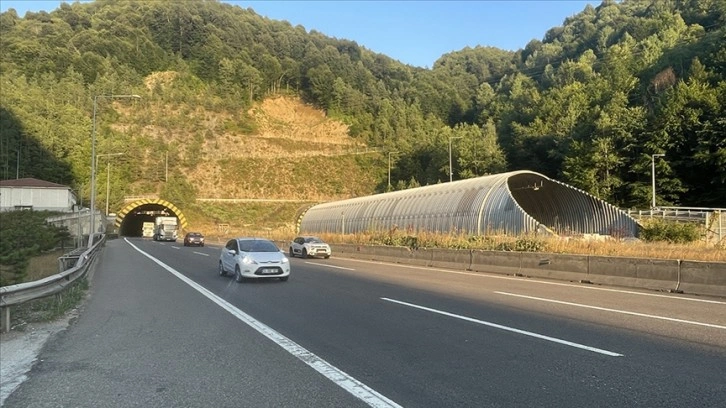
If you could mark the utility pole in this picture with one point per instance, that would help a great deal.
(389, 169)
(93, 161)
(652, 172)
(451, 170)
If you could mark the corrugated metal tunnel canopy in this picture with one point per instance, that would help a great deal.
(513, 203)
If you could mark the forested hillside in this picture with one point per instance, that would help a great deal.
(588, 104)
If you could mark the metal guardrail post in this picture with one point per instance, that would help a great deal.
(5, 319)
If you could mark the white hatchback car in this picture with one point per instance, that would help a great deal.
(309, 246)
(253, 258)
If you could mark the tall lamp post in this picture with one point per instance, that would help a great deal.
(91, 231)
(451, 170)
(389, 169)
(108, 174)
(652, 173)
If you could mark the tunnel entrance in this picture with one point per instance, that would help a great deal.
(130, 220)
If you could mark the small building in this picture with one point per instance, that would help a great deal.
(37, 195)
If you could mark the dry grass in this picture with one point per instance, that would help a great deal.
(44, 265)
(697, 251)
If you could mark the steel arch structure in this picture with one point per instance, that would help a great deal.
(513, 203)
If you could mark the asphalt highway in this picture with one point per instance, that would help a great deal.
(161, 328)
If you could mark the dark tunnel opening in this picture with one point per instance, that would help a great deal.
(133, 223)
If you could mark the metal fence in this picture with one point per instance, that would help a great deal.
(712, 220)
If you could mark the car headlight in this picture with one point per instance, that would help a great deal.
(285, 260)
(248, 261)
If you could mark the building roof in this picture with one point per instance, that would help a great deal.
(30, 182)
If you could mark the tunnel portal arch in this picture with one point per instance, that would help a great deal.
(130, 220)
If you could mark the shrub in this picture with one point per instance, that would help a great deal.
(674, 232)
(25, 234)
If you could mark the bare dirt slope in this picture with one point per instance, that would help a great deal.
(296, 153)
(280, 148)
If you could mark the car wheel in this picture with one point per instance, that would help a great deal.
(222, 272)
(305, 253)
(238, 275)
(292, 254)
(284, 278)
(327, 256)
(201, 245)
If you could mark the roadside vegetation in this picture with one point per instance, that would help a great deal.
(23, 236)
(29, 251)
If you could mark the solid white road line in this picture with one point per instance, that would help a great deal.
(329, 266)
(511, 329)
(337, 376)
(201, 253)
(670, 319)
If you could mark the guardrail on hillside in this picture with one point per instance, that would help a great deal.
(20, 293)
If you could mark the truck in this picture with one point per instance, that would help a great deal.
(165, 228)
(147, 230)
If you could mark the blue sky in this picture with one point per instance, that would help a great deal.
(413, 32)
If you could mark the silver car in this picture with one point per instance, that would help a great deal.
(253, 258)
(309, 246)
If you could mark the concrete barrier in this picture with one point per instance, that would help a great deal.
(420, 257)
(695, 277)
(390, 254)
(450, 258)
(554, 266)
(350, 251)
(658, 274)
(508, 263)
(705, 278)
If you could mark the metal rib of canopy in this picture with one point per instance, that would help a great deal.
(513, 203)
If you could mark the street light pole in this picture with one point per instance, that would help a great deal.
(451, 170)
(92, 228)
(652, 172)
(108, 174)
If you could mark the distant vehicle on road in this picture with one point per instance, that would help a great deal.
(253, 258)
(147, 230)
(165, 229)
(309, 246)
(194, 239)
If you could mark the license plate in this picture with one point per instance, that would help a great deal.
(269, 270)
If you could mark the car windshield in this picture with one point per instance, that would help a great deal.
(258, 246)
(314, 240)
(195, 234)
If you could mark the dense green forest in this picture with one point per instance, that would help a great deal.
(588, 104)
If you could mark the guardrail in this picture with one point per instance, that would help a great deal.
(20, 293)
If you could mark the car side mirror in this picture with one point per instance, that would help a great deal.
(232, 252)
